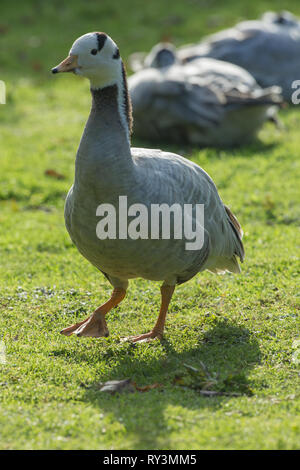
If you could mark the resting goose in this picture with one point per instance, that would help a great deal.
(108, 172)
(206, 102)
(268, 48)
(285, 18)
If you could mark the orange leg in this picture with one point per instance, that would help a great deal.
(157, 332)
(95, 324)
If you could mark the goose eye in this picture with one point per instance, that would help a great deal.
(94, 51)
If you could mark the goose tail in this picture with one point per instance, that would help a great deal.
(238, 233)
(271, 96)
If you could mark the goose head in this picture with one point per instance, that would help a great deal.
(161, 55)
(283, 18)
(94, 56)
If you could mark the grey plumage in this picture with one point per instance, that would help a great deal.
(269, 48)
(204, 102)
(146, 176)
(107, 167)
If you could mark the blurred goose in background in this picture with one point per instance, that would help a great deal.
(283, 17)
(269, 48)
(107, 168)
(206, 102)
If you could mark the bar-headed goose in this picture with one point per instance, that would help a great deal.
(269, 48)
(205, 102)
(114, 181)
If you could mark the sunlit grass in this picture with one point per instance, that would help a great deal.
(243, 328)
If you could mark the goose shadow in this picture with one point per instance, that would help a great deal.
(227, 350)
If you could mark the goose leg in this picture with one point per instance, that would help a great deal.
(157, 332)
(95, 324)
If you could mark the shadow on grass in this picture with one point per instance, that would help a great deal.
(228, 351)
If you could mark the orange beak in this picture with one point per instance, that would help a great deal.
(67, 65)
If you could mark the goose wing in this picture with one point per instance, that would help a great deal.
(168, 178)
(171, 100)
(237, 85)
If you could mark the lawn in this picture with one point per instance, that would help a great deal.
(237, 335)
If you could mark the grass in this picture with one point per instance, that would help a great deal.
(244, 329)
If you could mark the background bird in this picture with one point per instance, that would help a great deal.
(269, 48)
(206, 102)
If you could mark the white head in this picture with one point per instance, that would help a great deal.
(96, 57)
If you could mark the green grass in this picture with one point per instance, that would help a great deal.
(245, 328)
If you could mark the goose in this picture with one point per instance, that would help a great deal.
(109, 172)
(206, 102)
(269, 48)
(283, 17)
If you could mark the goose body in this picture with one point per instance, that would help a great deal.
(107, 168)
(157, 178)
(268, 48)
(204, 102)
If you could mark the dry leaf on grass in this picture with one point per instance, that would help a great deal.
(209, 385)
(146, 388)
(126, 385)
(117, 386)
(54, 174)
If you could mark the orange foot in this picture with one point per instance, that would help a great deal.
(93, 326)
(145, 338)
(70, 329)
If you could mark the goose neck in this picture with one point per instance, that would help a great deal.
(105, 142)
